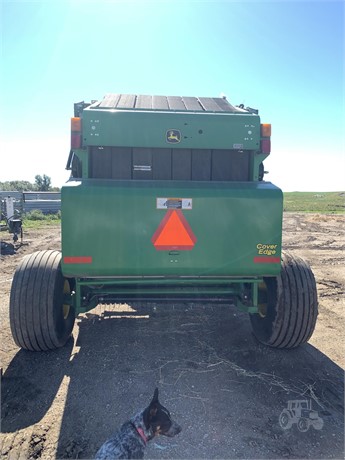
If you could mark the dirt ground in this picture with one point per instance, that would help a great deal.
(224, 388)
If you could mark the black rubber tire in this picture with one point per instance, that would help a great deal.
(292, 306)
(36, 303)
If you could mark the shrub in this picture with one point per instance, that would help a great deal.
(35, 214)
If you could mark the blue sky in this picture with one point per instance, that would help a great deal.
(285, 58)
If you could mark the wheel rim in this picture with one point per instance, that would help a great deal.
(66, 307)
(303, 425)
(263, 300)
(284, 420)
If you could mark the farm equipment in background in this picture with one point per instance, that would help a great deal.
(166, 202)
(12, 219)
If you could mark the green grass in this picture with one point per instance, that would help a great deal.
(320, 202)
(36, 219)
(36, 224)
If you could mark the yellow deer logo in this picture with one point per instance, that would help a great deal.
(173, 136)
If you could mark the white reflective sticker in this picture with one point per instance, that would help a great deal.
(174, 203)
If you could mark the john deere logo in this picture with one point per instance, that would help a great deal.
(173, 136)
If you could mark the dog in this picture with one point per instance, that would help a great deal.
(131, 439)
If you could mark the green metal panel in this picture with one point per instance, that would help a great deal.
(126, 128)
(107, 228)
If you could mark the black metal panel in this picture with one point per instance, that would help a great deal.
(161, 164)
(100, 167)
(142, 163)
(228, 165)
(201, 164)
(221, 165)
(121, 167)
(123, 163)
(240, 166)
(181, 164)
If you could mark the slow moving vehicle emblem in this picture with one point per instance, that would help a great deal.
(173, 136)
(174, 233)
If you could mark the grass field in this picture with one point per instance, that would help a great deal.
(320, 202)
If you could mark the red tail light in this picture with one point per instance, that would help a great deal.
(265, 145)
(75, 141)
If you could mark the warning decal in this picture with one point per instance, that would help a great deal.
(174, 233)
(174, 203)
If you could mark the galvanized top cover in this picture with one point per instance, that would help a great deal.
(166, 103)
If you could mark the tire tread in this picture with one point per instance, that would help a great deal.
(294, 304)
(35, 292)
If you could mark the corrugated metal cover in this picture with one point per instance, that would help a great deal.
(41, 196)
(166, 103)
(46, 206)
(16, 195)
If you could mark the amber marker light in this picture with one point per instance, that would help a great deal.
(266, 130)
(75, 133)
(76, 124)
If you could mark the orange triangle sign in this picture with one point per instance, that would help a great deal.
(174, 233)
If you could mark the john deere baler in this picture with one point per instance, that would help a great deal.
(167, 202)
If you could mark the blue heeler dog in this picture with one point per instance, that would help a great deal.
(131, 439)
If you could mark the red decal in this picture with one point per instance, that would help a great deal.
(78, 260)
(266, 260)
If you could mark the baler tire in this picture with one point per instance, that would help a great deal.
(39, 319)
(292, 306)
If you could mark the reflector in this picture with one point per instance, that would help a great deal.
(266, 145)
(75, 141)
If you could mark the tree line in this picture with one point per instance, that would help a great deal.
(41, 184)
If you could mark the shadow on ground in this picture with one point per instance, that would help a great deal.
(224, 388)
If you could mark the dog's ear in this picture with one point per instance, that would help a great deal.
(155, 396)
(151, 410)
(154, 403)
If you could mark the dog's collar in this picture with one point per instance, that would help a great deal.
(141, 433)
